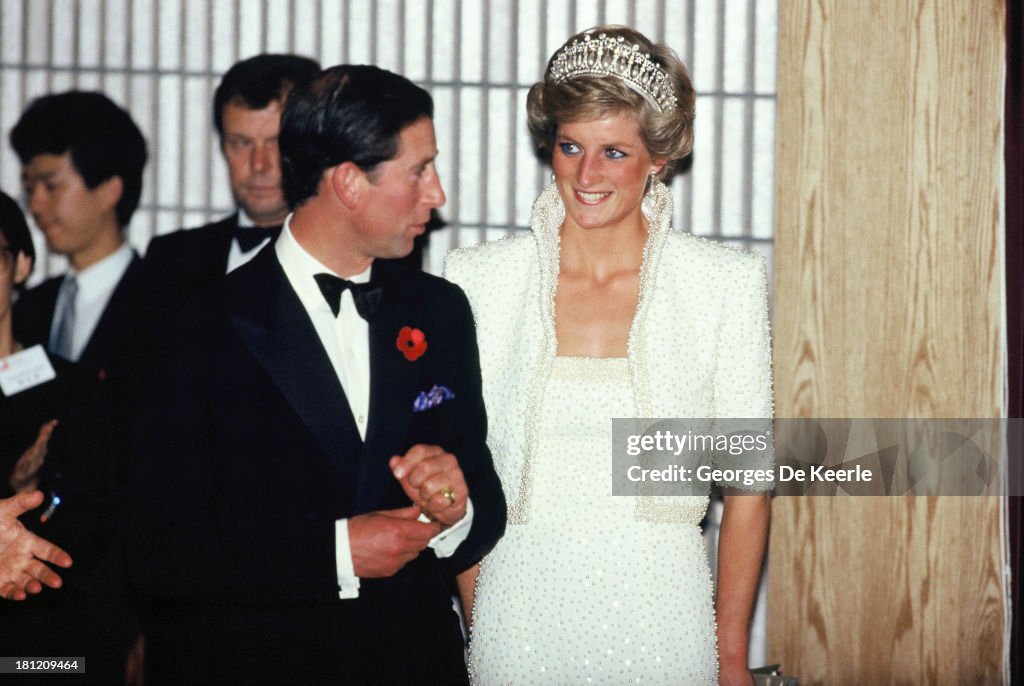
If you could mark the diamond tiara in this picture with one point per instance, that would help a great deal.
(606, 56)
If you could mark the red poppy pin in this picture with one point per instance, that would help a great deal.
(412, 343)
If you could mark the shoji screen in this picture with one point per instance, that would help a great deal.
(162, 60)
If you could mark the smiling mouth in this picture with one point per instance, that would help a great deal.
(591, 198)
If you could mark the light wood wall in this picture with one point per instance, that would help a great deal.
(888, 304)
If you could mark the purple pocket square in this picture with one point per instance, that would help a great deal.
(432, 398)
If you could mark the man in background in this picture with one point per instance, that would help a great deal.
(247, 113)
(82, 158)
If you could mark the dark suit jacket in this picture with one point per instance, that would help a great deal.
(181, 264)
(86, 615)
(33, 316)
(248, 454)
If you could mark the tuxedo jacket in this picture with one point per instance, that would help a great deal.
(33, 317)
(247, 455)
(178, 265)
(182, 264)
(87, 615)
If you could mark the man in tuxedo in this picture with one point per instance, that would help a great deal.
(247, 109)
(82, 158)
(313, 467)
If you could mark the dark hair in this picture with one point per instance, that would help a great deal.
(260, 80)
(667, 135)
(103, 141)
(14, 228)
(348, 114)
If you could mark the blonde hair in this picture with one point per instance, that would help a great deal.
(667, 135)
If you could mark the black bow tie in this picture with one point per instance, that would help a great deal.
(365, 295)
(250, 237)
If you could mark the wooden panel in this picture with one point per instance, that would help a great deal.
(888, 304)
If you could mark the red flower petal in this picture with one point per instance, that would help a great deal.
(412, 343)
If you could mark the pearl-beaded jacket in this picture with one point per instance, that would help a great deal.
(698, 346)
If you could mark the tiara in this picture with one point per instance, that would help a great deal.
(606, 56)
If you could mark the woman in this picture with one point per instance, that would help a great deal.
(54, 435)
(602, 312)
(20, 574)
(27, 418)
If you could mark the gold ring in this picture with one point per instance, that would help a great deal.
(449, 493)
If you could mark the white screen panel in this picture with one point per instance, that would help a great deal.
(163, 60)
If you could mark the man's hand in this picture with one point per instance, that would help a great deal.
(25, 475)
(433, 481)
(382, 542)
(22, 553)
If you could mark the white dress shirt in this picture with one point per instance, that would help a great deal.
(346, 339)
(96, 283)
(236, 258)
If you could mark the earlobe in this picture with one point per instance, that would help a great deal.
(22, 268)
(113, 189)
(346, 180)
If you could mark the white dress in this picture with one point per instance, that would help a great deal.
(584, 585)
(585, 592)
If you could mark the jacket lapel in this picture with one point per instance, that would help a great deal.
(117, 317)
(33, 313)
(276, 329)
(392, 387)
(220, 246)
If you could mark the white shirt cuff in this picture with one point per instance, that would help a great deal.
(444, 545)
(446, 542)
(348, 582)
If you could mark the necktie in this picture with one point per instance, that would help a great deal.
(250, 237)
(62, 339)
(365, 295)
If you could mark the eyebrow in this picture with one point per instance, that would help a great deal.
(425, 161)
(44, 175)
(570, 139)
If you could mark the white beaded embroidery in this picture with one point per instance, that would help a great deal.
(700, 329)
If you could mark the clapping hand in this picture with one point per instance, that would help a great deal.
(23, 554)
(433, 481)
(25, 475)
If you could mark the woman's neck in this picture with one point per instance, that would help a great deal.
(601, 253)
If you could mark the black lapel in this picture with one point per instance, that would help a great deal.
(221, 236)
(33, 313)
(277, 330)
(393, 381)
(117, 315)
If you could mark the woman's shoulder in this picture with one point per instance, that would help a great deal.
(492, 250)
(687, 243)
(711, 254)
(486, 259)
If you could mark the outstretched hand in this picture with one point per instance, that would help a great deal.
(433, 481)
(23, 554)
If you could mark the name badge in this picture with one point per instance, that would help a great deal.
(24, 370)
